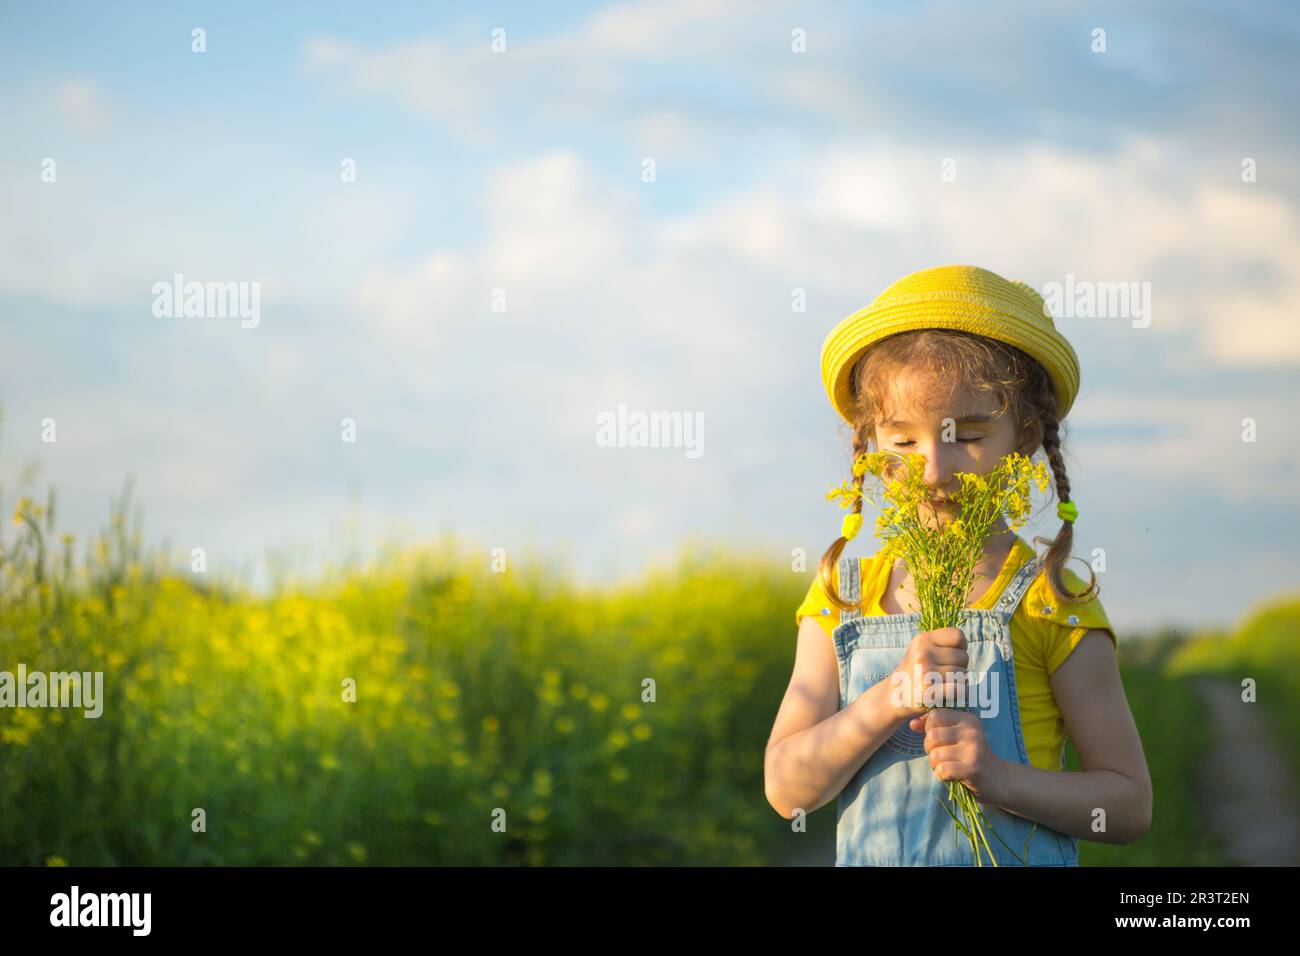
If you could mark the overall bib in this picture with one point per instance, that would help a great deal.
(888, 814)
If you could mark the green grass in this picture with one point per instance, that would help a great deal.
(1163, 708)
(621, 725)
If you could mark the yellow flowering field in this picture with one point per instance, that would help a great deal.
(426, 710)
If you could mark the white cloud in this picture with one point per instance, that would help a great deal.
(1035, 213)
(709, 289)
(658, 27)
(1192, 444)
(546, 221)
(835, 213)
(83, 104)
(665, 132)
(578, 77)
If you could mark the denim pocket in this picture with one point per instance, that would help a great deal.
(904, 740)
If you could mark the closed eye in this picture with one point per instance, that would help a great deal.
(904, 444)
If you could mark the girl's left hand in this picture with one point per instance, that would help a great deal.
(959, 750)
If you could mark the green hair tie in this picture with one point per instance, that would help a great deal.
(1067, 511)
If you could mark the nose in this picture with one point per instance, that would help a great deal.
(939, 464)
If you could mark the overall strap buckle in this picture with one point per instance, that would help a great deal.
(1011, 597)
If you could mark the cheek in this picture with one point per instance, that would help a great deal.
(990, 450)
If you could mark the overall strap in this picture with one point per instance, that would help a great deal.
(850, 588)
(1015, 591)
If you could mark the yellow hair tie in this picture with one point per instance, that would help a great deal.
(850, 526)
(1067, 511)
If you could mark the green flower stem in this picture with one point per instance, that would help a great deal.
(941, 558)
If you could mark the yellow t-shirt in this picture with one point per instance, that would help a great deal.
(1040, 642)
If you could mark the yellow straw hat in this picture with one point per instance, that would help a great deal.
(966, 298)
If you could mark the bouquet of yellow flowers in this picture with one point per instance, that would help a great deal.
(941, 556)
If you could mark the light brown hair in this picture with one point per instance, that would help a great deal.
(1022, 388)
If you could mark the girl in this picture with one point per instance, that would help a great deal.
(964, 367)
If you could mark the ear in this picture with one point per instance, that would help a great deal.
(1033, 438)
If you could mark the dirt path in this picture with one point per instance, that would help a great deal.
(1247, 792)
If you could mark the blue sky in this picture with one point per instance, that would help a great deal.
(522, 170)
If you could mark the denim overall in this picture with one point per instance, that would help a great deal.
(888, 814)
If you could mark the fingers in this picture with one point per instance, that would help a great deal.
(952, 761)
(923, 672)
(948, 753)
(953, 717)
(950, 692)
(939, 737)
(953, 769)
(948, 637)
(948, 656)
(938, 719)
(944, 691)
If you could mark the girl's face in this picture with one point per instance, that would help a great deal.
(913, 421)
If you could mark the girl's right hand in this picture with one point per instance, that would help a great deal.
(937, 652)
